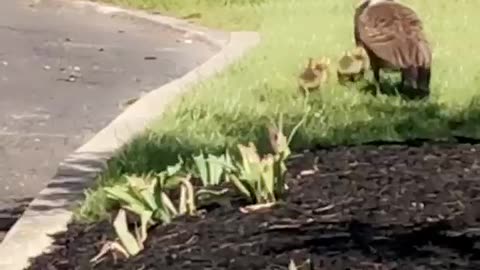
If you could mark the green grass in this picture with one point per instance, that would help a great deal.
(234, 106)
(222, 14)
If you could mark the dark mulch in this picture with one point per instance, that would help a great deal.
(366, 207)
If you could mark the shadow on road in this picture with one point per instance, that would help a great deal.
(66, 189)
(9, 214)
(77, 173)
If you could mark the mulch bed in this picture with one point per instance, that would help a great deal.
(364, 207)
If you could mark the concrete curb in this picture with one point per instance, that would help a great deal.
(51, 211)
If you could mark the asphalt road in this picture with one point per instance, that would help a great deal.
(63, 73)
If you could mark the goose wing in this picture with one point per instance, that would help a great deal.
(394, 33)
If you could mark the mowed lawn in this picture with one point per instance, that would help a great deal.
(234, 106)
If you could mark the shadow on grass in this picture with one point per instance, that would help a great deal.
(407, 123)
(390, 87)
(154, 152)
(389, 123)
(387, 87)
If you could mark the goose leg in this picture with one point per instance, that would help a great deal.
(415, 82)
(408, 79)
(423, 81)
(376, 76)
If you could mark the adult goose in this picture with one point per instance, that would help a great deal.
(392, 35)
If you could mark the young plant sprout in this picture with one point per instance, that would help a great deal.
(263, 179)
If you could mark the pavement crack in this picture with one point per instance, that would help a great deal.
(18, 30)
(33, 134)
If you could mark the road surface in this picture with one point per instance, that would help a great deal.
(64, 72)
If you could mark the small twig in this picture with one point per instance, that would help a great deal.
(323, 209)
(256, 207)
(112, 247)
(192, 240)
(227, 245)
(330, 217)
(101, 255)
(284, 226)
(455, 203)
(223, 246)
(316, 160)
(170, 236)
(306, 262)
(295, 156)
(462, 232)
(342, 173)
(383, 189)
(189, 242)
(376, 266)
(307, 172)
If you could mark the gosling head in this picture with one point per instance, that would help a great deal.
(321, 64)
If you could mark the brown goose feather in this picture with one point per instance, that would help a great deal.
(393, 36)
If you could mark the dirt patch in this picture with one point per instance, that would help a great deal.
(366, 207)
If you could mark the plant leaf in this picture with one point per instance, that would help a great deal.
(241, 187)
(268, 177)
(250, 169)
(148, 194)
(202, 168)
(292, 266)
(190, 195)
(119, 248)
(182, 202)
(145, 218)
(172, 170)
(138, 189)
(127, 239)
(163, 215)
(121, 194)
(229, 165)
(169, 204)
(172, 182)
(280, 170)
(216, 168)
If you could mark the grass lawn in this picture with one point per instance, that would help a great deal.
(234, 106)
(225, 14)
